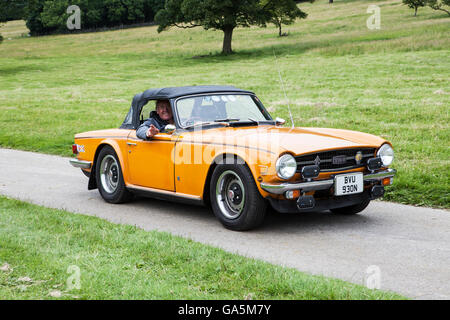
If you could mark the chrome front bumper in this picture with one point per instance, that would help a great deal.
(320, 184)
(80, 163)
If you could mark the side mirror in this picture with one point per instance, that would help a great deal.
(169, 128)
(279, 121)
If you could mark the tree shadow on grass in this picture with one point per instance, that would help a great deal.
(324, 48)
(255, 53)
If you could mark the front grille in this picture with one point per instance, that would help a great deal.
(344, 159)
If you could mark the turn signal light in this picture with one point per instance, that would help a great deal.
(74, 149)
(387, 181)
(292, 194)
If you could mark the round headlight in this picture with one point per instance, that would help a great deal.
(286, 166)
(386, 153)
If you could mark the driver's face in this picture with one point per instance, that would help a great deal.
(164, 110)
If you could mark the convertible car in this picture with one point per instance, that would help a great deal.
(225, 150)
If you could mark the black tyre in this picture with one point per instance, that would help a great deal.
(108, 174)
(235, 199)
(352, 209)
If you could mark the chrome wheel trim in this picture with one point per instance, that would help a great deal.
(109, 174)
(230, 194)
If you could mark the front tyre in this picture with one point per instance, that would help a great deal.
(109, 177)
(235, 199)
(351, 210)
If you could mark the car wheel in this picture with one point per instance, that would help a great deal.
(352, 209)
(109, 177)
(235, 199)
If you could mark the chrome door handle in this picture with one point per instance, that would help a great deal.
(131, 144)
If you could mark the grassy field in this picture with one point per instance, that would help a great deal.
(392, 82)
(38, 246)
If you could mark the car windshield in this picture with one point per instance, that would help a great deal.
(218, 108)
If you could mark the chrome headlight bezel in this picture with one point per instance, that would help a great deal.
(386, 153)
(286, 166)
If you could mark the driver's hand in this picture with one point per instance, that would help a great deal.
(152, 130)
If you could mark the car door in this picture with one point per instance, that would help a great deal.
(150, 162)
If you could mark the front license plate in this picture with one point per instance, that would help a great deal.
(348, 184)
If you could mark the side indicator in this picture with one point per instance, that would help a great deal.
(77, 148)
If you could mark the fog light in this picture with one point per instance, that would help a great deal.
(292, 194)
(374, 163)
(309, 172)
(377, 192)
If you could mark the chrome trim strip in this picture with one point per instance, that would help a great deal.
(164, 192)
(305, 186)
(320, 184)
(80, 163)
(389, 173)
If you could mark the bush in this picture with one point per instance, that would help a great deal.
(12, 10)
(45, 16)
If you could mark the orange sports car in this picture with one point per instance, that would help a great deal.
(223, 149)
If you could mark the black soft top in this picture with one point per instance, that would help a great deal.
(141, 99)
(176, 92)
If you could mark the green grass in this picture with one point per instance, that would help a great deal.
(124, 262)
(392, 82)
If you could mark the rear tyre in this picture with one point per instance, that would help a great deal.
(235, 199)
(109, 177)
(350, 210)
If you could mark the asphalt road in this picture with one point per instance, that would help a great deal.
(410, 246)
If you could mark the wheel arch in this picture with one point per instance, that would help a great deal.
(219, 159)
(92, 184)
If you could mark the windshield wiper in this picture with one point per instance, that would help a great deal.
(227, 120)
(206, 124)
(254, 121)
(249, 121)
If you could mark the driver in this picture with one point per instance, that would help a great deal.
(157, 121)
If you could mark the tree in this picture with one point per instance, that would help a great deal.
(222, 15)
(12, 10)
(415, 4)
(440, 5)
(33, 16)
(283, 12)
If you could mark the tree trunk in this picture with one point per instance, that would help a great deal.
(448, 12)
(279, 30)
(227, 36)
(415, 11)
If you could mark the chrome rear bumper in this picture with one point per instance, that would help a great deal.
(80, 163)
(321, 184)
